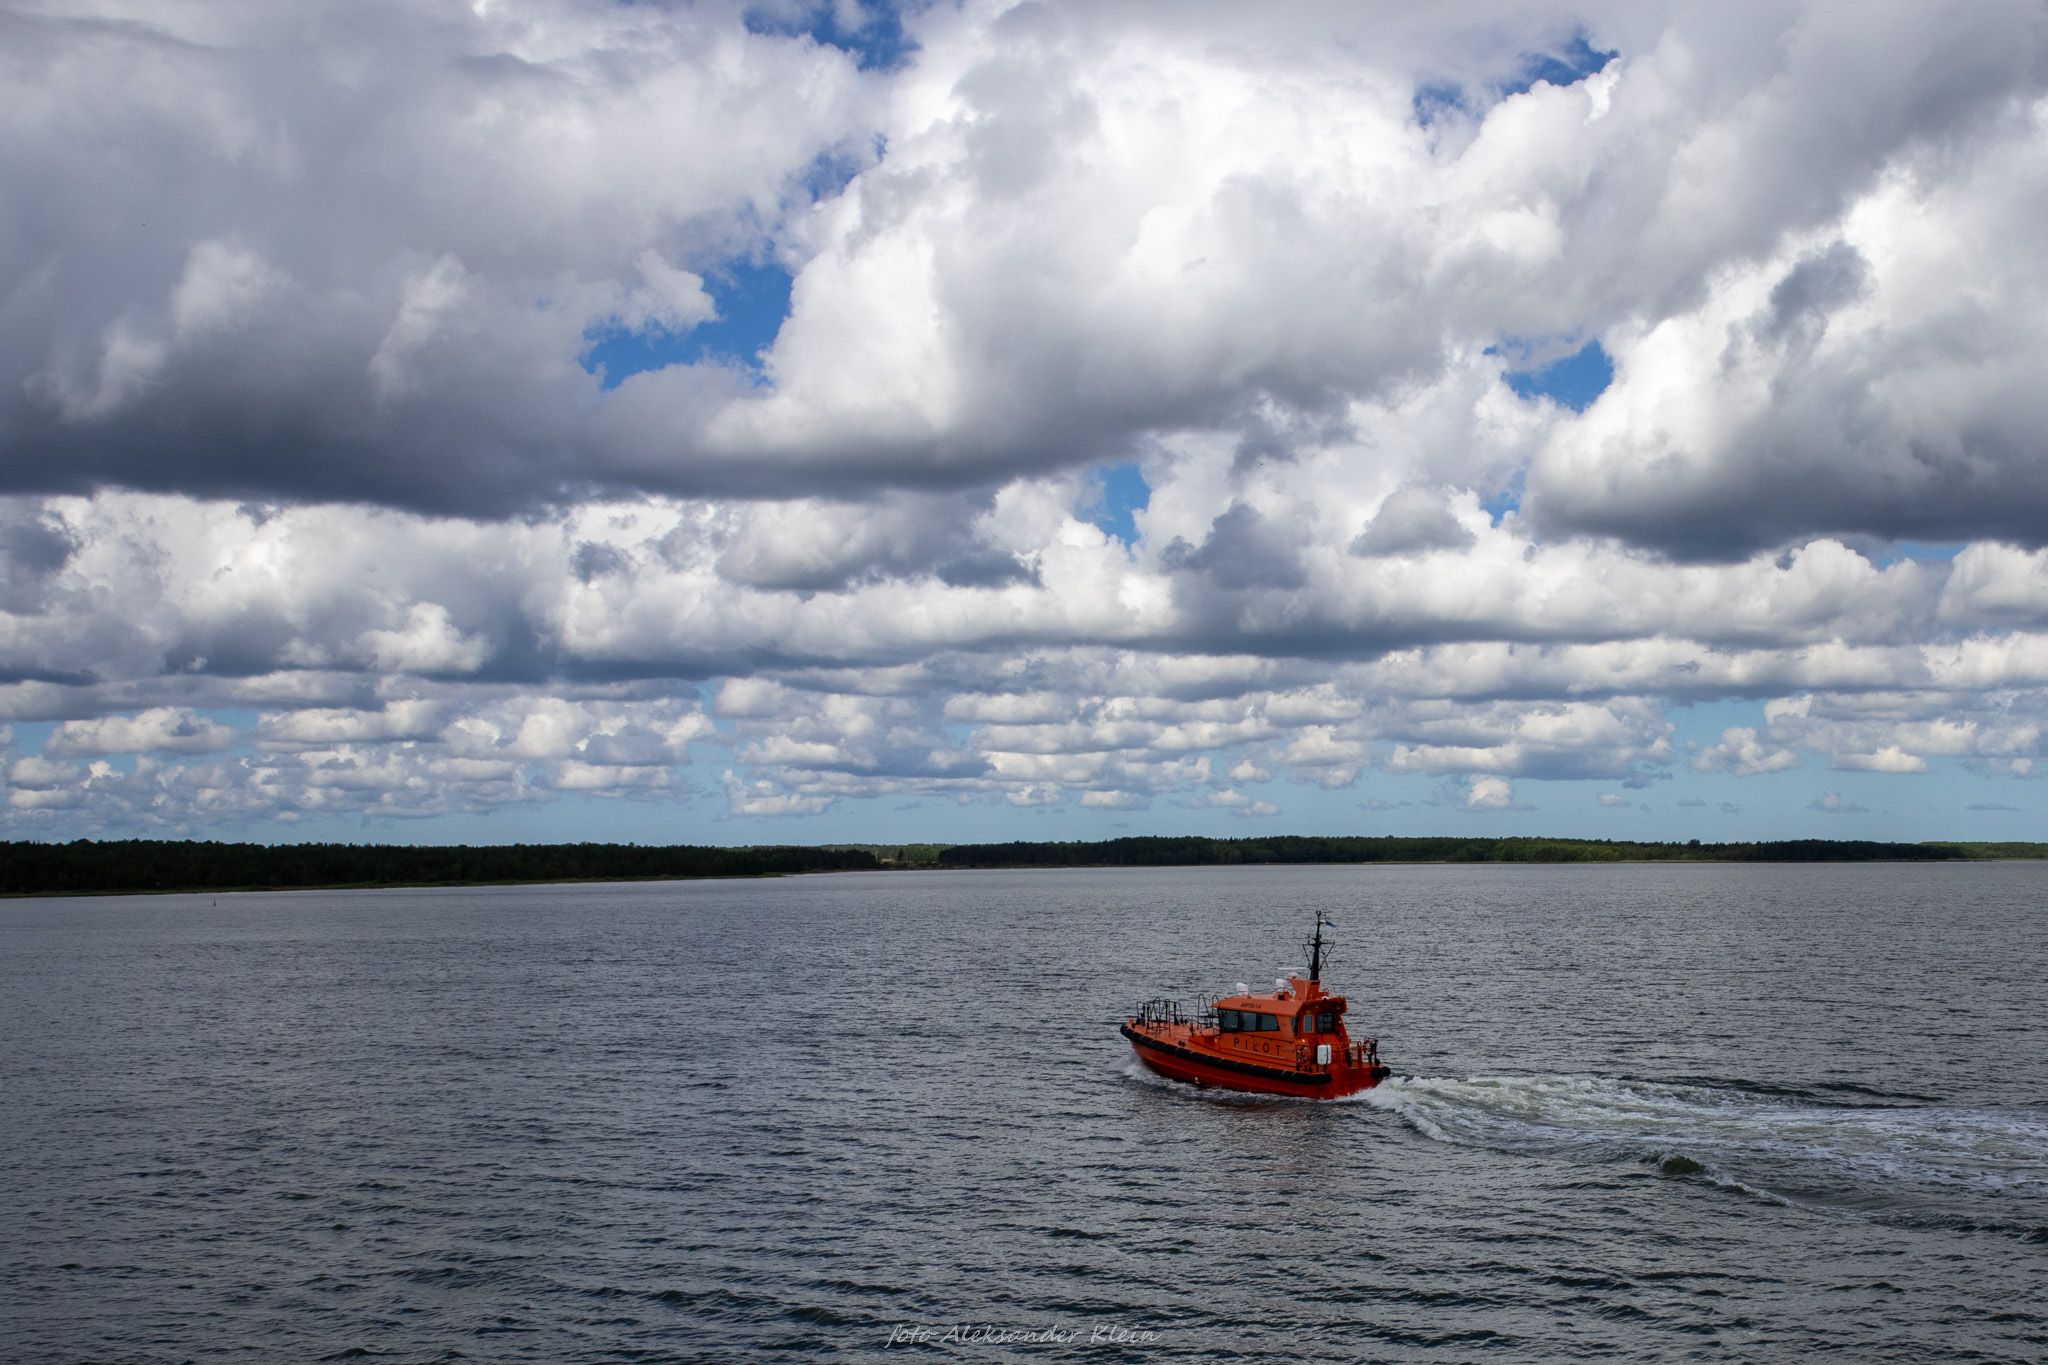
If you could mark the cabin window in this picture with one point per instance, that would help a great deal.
(1327, 1021)
(1226, 1021)
(1268, 1023)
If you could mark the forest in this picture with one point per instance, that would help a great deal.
(1181, 852)
(124, 865)
(89, 867)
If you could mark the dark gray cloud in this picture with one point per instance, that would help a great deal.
(815, 546)
(594, 559)
(34, 545)
(1243, 550)
(1814, 288)
(1412, 519)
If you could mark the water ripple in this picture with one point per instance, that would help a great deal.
(723, 1121)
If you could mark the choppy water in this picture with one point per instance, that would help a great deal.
(1640, 1113)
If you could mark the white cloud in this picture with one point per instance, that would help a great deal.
(1489, 793)
(428, 642)
(320, 727)
(1232, 800)
(1890, 759)
(1846, 382)
(1742, 753)
(1886, 731)
(1227, 248)
(161, 729)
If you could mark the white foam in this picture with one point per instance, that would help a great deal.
(1726, 1130)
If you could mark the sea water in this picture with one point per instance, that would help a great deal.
(1638, 1112)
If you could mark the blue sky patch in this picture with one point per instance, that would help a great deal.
(1925, 552)
(1124, 493)
(831, 172)
(1571, 63)
(1506, 500)
(1573, 381)
(753, 302)
(1434, 99)
(878, 44)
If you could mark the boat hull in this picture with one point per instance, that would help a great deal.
(1176, 1062)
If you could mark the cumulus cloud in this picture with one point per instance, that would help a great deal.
(1742, 753)
(1619, 738)
(472, 475)
(1489, 793)
(1828, 389)
(1412, 518)
(1057, 230)
(1893, 732)
(408, 324)
(1834, 803)
(1232, 800)
(161, 729)
(35, 544)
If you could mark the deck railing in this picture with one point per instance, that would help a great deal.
(1161, 1011)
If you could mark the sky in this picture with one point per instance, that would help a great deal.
(792, 422)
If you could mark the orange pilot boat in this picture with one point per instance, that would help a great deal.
(1289, 1042)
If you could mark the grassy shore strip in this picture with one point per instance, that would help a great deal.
(1195, 852)
(142, 866)
(1999, 851)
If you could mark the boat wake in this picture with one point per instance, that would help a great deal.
(1983, 1168)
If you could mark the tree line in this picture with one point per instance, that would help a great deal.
(1158, 851)
(122, 865)
(118, 865)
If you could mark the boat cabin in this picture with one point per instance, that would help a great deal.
(1291, 1041)
(1274, 1024)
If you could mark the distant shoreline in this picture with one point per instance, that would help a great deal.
(190, 867)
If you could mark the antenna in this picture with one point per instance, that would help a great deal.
(1315, 961)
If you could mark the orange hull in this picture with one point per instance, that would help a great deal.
(1184, 1058)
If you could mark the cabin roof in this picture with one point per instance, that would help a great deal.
(1272, 1003)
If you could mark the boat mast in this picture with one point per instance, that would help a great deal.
(1315, 961)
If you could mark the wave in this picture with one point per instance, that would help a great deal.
(1926, 1162)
